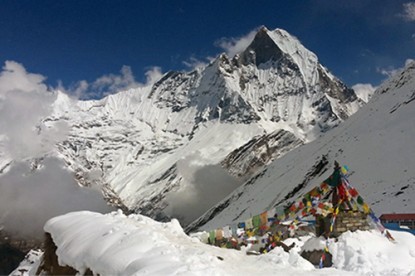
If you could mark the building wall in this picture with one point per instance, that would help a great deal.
(345, 221)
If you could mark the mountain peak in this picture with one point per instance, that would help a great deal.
(262, 49)
(280, 46)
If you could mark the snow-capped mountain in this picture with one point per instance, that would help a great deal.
(132, 143)
(376, 143)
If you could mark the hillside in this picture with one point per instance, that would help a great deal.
(376, 143)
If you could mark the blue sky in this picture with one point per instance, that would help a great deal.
(360, 41)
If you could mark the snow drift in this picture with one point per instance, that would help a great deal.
(115, 244)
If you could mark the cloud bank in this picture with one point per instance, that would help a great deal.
(205, 187)
(364, 91)
(30, 197)
(111, 83)
(24, 102)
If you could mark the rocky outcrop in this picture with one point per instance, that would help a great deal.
(314, 257)
(13, 250)
(50, 264)
(258, 152)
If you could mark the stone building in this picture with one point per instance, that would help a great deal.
(345, 221)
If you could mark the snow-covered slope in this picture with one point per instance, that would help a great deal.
(115, 244)
(376, 143)
(131, 143)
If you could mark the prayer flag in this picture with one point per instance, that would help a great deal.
(227, 232)
(219, 234)
(264, 218)
(212, 236)
(256, 221)
(248, 224)
(234, 230)
(366, 208)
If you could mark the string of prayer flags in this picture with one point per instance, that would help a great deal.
(252, 229)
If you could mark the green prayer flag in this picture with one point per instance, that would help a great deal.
(212, 236)
(256, 221)
(335, 179)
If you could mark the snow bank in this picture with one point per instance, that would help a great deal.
(367, 253)
(115, 244)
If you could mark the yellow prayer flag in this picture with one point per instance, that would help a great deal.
(366, 208)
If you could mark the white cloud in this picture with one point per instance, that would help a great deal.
(24, 102)
(195, 63)
(202, 183)
(408, 61)
(409, 11)
(29, 197)
(233, 46)
(388, 72)
(364, 91)
(152, 76)
(111, 83)
(14, 77)
(391, 70)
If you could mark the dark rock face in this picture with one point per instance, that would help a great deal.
(258, 152)
(13, 250)
(315, 256)
(337, 90)
(261, 50)
(50, 264)
(10, 258)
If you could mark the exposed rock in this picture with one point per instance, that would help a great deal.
(315, 256)
(13, 250)
(50, 264)
(258, 152)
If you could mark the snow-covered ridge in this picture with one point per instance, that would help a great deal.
(306, 60)
(376, 143)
